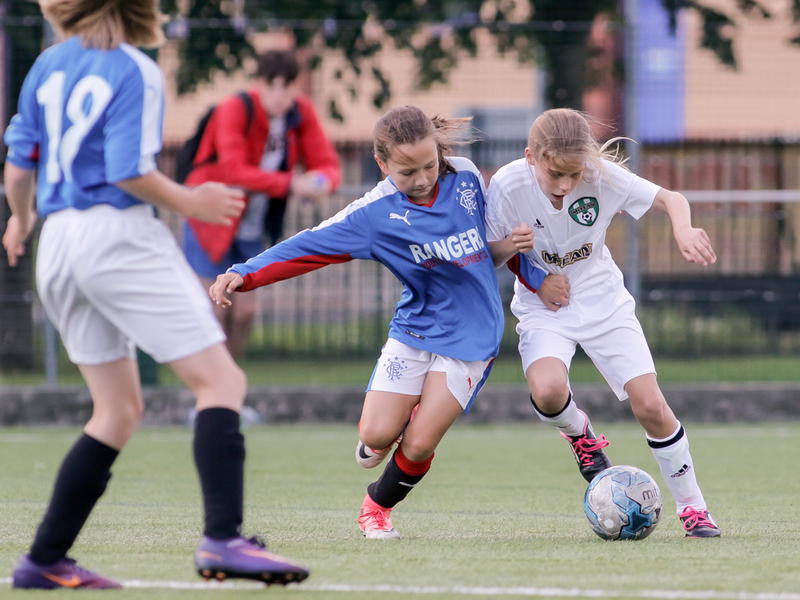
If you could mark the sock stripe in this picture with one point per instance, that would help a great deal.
(554, 415)
(410, 467)
(669, 442)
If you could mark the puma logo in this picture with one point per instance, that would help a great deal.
(403, 218)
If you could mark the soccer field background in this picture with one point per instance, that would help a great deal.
(499, 514)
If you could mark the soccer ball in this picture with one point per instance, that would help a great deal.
(623, 503)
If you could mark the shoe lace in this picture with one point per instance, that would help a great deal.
(77, 569)
(257, 540)
(379, 519)
(586, 447)
(695, 518)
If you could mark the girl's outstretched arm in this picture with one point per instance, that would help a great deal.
(693, 242)
(225, 285)
(211, 202)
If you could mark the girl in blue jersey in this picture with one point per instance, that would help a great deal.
(111, 277)
(425, 223)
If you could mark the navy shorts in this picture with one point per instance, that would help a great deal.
(202, 264)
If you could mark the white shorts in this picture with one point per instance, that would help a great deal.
(402, 369)
(113, 279)
(603, 321)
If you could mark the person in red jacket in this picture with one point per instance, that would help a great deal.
(257, 148)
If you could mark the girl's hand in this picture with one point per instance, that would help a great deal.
(225, 284)
(522, 238)
(519, 240)
(216, 203)
(695, 245)
(554, 291)
(313, 185)
(17, 231)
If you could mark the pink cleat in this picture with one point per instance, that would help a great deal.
(699, 523)
(588, 451)
(375, 521)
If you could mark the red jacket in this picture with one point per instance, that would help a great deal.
(239, 154)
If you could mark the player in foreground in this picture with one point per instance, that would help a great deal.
(568, 189)
(425, 223)
(111, 277)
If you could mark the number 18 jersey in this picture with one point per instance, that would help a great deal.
(87, 118)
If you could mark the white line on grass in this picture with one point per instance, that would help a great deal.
(466, 591)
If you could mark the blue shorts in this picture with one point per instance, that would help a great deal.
(199, 260)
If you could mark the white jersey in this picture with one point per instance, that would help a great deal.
(570, 241)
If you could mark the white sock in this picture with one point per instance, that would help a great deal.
(569, 420)
(677, 468)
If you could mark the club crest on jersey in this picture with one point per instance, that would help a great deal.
(466, 197)
(395, 367)
(584, 211)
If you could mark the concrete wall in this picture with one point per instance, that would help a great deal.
(22, 406)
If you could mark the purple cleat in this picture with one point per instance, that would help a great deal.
(245, 559)
(64, 574)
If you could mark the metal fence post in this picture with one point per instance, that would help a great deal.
(632, 273)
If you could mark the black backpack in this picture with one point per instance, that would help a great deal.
(185, 161)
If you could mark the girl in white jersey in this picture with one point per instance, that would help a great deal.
(548, 214)
(111, 277)
(425, 222)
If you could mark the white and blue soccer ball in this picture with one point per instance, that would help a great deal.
(623, 503)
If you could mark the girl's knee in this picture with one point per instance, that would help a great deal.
(549, 396)
(114, 424)
(226, 387)
(419, 448)
(652, 410)
(376, 436)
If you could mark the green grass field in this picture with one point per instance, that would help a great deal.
(499, 515)
(506, 370)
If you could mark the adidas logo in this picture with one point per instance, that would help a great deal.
(538, 224)
(683, 471)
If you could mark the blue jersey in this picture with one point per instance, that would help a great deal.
(450, 303)
(87, 119)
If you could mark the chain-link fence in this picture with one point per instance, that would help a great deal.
(702, 126)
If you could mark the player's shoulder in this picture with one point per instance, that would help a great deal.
(611, 177)
(53, 57)
(139, 63)
(511, 177)
(615, 168)
(385, 191)
(463, 165)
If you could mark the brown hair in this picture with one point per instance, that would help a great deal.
(567, 133)
(278, 63)
(409, 125)
(105, 24)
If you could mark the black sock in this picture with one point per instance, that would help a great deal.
(219, 455)
(393, 486)
(80, 482)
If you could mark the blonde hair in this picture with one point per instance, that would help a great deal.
(409, 125)
(105, 24)
(564, 133)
